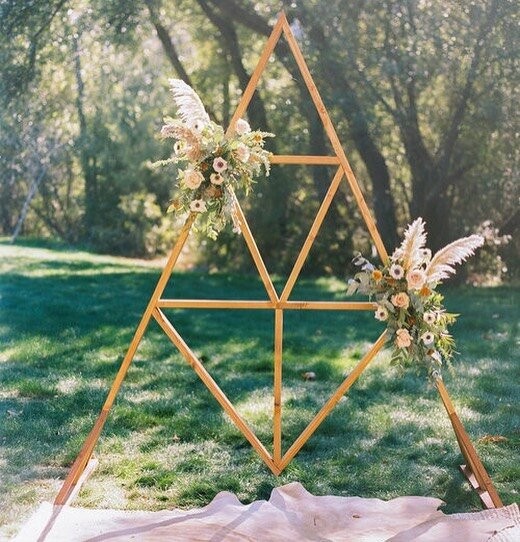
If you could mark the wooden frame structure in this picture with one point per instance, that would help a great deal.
(278, 460)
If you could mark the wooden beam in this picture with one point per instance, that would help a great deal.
(214, 304)
(333, 137)
(213, 387)
(255, 253)
(475, 466)
(305, 160)
(311, 236)
(245, 304)
(255, 76)
(88, 446)
(328, 305)
(277, 388)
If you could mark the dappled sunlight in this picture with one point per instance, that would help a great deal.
(167, 442)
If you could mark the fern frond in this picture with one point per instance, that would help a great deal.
(410, 251)
(189, 105)
(441, 265)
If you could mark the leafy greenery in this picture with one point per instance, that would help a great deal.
(68, 316)
(423, 96)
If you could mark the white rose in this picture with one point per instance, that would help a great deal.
(242, 127)
(415, 279)
(242, 152)
(193, 178)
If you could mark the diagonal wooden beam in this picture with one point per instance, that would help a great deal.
(480, 480)
(311, 236)
(333, 137)
(255, 253)
(213, 387)
(333, 401)
(255, 76)
(88, 447)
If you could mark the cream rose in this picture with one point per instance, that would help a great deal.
(216, 179)
(242, 127)
(415, 279)
(193, 178)
(401, 300)
(403, 339)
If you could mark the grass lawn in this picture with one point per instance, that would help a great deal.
(67, 317)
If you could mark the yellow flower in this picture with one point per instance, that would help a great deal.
(377, 275)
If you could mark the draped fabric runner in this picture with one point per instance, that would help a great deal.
(290, 514)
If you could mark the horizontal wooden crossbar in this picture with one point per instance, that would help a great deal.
(306, 160)
(253, 304)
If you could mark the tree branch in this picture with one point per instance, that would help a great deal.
(171, 51)
(446, 148)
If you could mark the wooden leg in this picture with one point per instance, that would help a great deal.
(474, 470)
(83, 458)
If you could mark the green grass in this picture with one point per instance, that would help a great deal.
(67, 317)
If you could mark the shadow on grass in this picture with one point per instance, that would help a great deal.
(67, 326)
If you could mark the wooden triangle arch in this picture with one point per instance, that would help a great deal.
(85, 463)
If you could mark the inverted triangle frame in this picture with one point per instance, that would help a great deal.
(277, 461)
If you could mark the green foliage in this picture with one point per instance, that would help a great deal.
(139, 227)
(422, 94)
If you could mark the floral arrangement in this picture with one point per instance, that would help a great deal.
(215, 163)
(404, 290)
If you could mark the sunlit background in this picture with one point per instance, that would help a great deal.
(422, 94)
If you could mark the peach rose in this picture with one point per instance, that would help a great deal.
(415, 279)
(403, 339)
(193, 179)
(401, 300)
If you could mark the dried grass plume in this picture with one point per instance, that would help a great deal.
(441, 265)
(189, 105)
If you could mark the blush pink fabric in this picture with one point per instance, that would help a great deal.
(291, 514)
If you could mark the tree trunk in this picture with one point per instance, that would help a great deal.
(87, 165)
